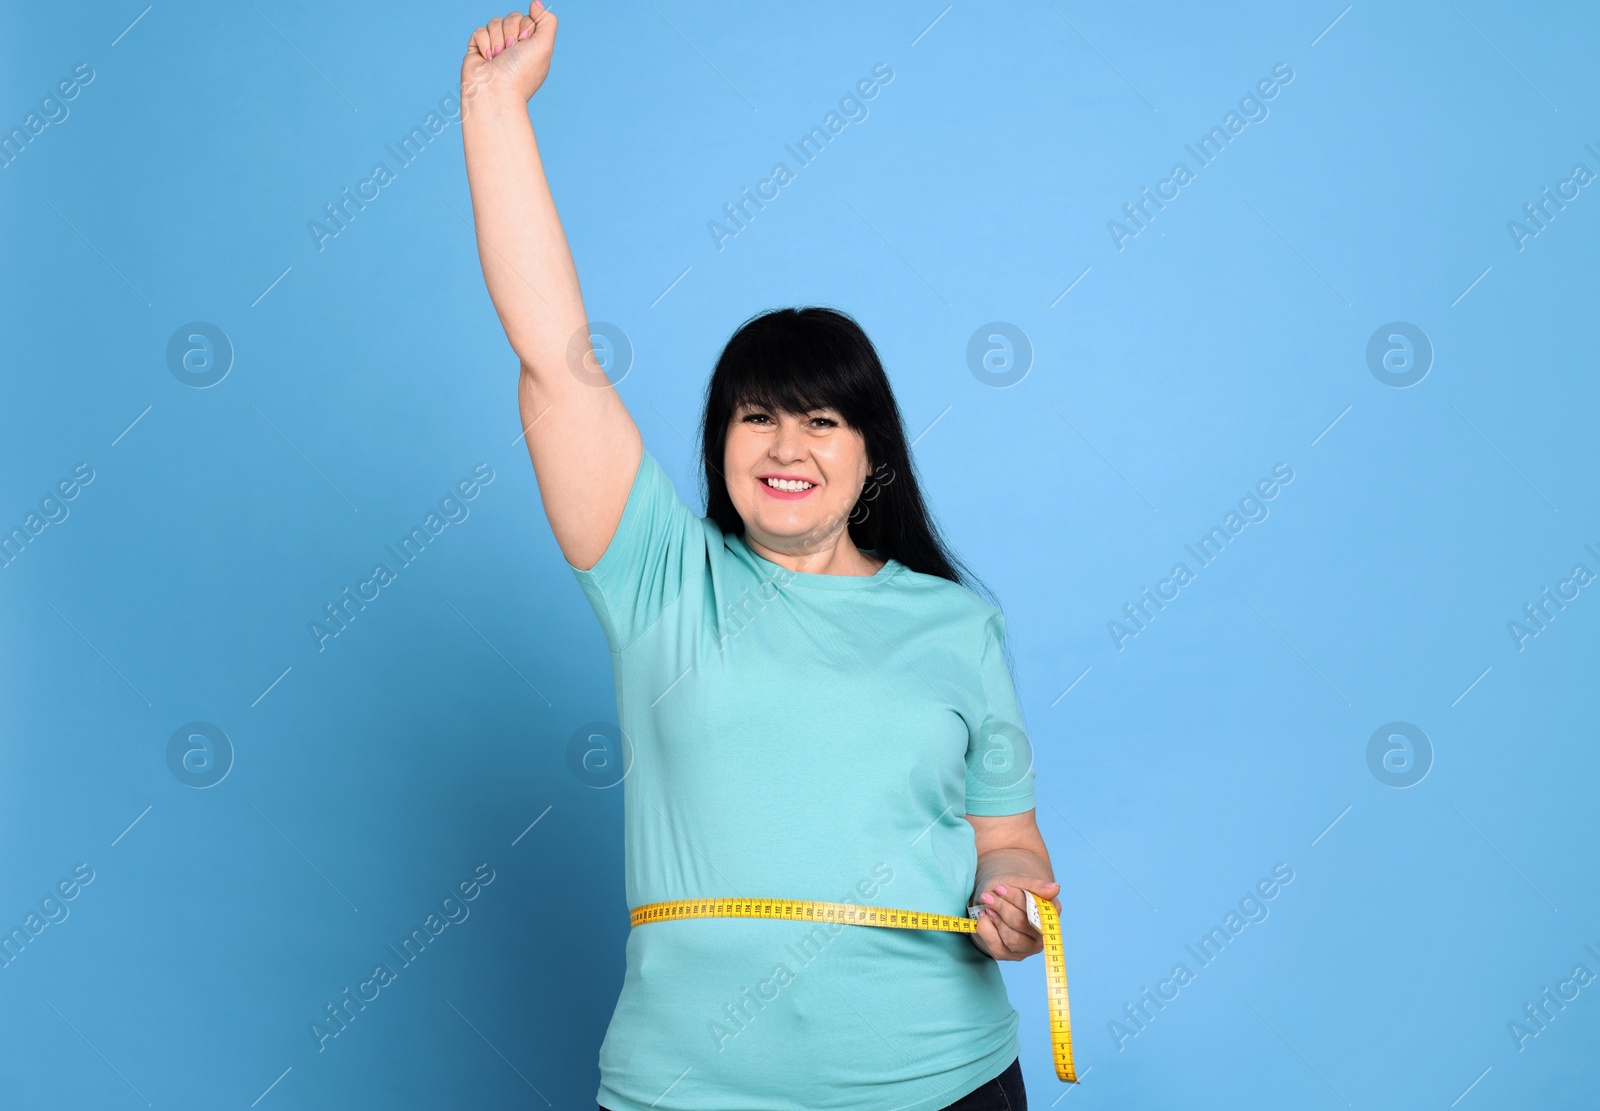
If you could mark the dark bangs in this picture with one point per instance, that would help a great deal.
(790, 364)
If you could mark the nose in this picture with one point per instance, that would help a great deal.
(788, 446)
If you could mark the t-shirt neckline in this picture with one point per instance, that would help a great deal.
(784, 576)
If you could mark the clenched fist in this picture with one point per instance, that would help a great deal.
(1004, 931)
(510, 55)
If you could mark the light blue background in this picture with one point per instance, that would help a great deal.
(1228, 336)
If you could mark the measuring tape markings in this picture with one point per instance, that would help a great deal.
(1041, 913)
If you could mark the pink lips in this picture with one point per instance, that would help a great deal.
(787, 495)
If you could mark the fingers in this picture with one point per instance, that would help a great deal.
(1007, 902)
(989, 935)
(1053, 891)
(1001, 941)
(1005, 906)
(501, 32)
(512, 25)
(984, 937)
(1003, 925)
(1018, 938)
(544, 20)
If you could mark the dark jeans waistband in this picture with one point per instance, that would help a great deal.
(1004, 1093)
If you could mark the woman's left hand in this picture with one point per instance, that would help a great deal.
(1004, 931)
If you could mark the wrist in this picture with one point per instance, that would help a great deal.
(1016, 862)
(492, 99)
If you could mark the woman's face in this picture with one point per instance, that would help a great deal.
(817, 448)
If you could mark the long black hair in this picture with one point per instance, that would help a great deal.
(794, 360)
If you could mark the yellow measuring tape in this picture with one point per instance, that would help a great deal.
(1041, 913)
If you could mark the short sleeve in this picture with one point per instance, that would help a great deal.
(658, 544)
(1000, 770)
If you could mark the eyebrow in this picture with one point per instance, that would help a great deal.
(774, 408)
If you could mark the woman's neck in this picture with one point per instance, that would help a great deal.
(839, 558)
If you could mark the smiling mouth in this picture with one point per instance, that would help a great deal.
(788, 485)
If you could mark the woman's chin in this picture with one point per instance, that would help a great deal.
(797, 532)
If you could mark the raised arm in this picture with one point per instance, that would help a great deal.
(583, 443)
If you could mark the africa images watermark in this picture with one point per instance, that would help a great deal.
(1537, 614)
(1537, 1016)
(1539, 214)
(412, 143)
(337, 616)
(53, 910)
(804, 151)
(52, 511)
(337, 1016)
(743, 1011)
(52, 110)
(1252, 909)
(1252, 505)
(339, 214)
(1253, 105)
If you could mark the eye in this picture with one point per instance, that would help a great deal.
(826, 421)
(755, 416)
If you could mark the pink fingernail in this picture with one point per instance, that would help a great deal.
(1001, 888)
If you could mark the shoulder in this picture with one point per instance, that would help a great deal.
(949, 602)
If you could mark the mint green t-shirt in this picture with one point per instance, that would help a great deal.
(800, 736)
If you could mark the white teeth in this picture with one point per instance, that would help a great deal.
(789, 485)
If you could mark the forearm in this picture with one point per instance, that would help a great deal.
(527, 265)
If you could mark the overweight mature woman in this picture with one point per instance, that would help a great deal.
(812, 694)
